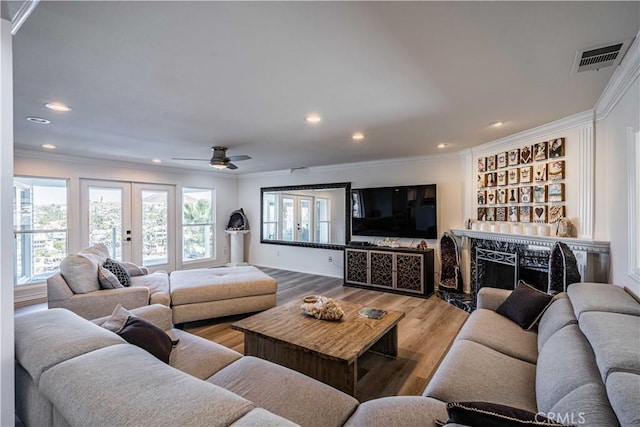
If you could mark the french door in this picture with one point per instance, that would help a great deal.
(297, 218)
(135, 220)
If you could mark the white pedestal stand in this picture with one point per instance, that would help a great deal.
(236, 247)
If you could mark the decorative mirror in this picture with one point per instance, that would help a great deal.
(313, 216)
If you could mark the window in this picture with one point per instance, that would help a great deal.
(198, 224)
(40, 228)
(323, 220)
(270, 216)
(633, 138)
(296, 217)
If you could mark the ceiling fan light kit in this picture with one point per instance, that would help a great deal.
(219, 160)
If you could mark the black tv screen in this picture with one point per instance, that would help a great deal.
(406, 211)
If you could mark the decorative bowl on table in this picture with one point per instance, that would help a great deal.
(321, 308)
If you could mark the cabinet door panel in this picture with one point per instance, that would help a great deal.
(382, 269)
(409, 273)
(357, 263)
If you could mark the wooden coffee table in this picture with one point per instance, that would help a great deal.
(325, 350)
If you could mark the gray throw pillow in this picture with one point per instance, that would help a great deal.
(107, 279)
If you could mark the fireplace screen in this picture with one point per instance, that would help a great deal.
(496, 269)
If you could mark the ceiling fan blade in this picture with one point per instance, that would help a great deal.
(231, 166)
(182, 158)
(239, 158)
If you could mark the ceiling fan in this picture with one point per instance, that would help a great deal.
(219, 160)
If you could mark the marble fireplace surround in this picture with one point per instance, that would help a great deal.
(533, 252)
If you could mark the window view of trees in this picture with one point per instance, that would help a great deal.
(155, 221)
(40, 227)
(198, 224)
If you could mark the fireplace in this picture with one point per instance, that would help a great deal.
(501, 259)
(503, 269)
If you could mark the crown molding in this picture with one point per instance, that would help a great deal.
(38, 155)
(21, 14)
(623, 77)
(540, 132)
(353, 165)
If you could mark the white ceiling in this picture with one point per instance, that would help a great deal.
(171, 79)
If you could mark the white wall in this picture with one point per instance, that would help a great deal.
(51, 165)
(445, 171)
(612, 176)
(6, 226)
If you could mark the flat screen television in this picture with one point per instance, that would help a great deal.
(406, 211)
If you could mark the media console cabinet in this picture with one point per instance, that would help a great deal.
(398, 270)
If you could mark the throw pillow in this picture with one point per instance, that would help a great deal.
(525, 305)
(484, 414)
(107, 279)
(118, 269)
(148, 336)
(117, 320)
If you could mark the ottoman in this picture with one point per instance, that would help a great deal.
(205, 293)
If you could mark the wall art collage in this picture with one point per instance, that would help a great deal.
(524, 184)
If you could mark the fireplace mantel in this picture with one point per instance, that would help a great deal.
(575, 244)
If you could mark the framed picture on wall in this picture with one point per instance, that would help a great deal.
(525, 213)
(540, 194)
(501, 195)
(491, 197)
(501, 214)
(482, 197)
(556, 192)
(556, 170)
(556, 213)
(502, 159)
(491, 179)
(491, 163)
(540, 151)
(491, 214)
(502, 177)
(556, 148)
(482, 164)
(540, 172)
(482, 214)
(525, 195)
(514, 214)
(526, 156)
(513, 158)
(513, 176)
(482, 181)
(540, 214)
(526, 174)
(513, 195)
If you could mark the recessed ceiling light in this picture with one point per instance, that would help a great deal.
(313, 118)
(38, 120)
(156, 161)
(496, 124)
(49, 146)
(442, 145)
(57, 106)
(357, 136)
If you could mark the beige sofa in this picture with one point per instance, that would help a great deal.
(582, 366)
(77, 288)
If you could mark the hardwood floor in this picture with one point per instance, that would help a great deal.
(424, 335)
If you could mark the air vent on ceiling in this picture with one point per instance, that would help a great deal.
(598, 57)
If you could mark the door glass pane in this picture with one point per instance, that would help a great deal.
(288, 219)
(105, 219)
(304, 227)
(155, 227)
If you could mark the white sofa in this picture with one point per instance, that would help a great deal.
(77, 288)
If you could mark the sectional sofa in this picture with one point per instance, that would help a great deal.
(581, 367)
